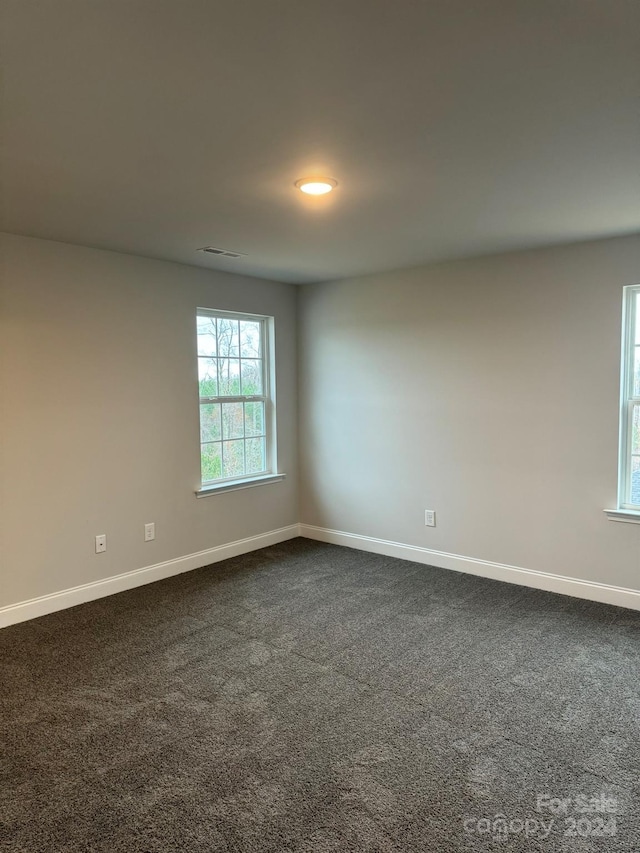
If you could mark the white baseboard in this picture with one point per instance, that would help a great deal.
(138, 577)
(605, 593)
(589, 590)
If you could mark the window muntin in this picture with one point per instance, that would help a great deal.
(629, 480)
(235, 403)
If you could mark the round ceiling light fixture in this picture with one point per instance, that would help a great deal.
(316, 186)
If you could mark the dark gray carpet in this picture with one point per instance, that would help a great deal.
(313, 698)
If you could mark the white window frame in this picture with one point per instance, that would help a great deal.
(269, 475)
(629, 402)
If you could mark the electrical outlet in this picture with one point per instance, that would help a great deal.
(150, 531)
(430, 517)
(101, 543)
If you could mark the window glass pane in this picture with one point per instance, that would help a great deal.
(250, 339)
(211, 457)
(210, 422)
(635, 480)
(232, 420)
(254, 418)
(254, 448)
(233, 458)
(228, 338)
(208, 377)
(207, 336)
(636, 371)
(232, 360)
(251, 376)
(636, 304)
(635, 430)
(229, 377)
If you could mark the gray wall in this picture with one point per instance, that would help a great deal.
(486, 390)
(99, 414)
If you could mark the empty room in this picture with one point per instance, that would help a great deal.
(320, 426)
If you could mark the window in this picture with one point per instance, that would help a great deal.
(629, 497)
(237, 413)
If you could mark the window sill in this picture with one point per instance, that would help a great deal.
(233, 485)
(630, 516)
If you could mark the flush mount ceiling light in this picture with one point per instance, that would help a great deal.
(316, 186)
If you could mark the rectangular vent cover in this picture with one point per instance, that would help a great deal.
(223, 253)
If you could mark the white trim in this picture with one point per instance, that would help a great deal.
(628, 401)
(268, 396)
(233, 485)
(631, 516)
(35, 607)
(592, 591)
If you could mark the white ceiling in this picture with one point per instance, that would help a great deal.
(455, 127)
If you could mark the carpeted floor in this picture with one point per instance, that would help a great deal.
(313, 698)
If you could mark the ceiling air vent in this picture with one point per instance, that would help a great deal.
(223, 253)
